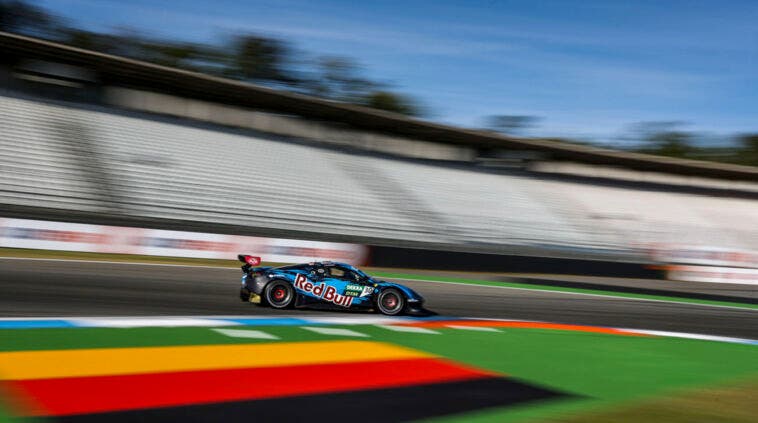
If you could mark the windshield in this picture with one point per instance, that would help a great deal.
(357, 271)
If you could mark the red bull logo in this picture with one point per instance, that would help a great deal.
(323, 291)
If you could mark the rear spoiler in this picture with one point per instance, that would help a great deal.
(250, 260)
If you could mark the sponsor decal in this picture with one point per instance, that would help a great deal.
(353, 290)
(312, 252)
(704, 255)
(252, 260)
(323, 291)
(186, 244)
(38, 234)
(55, 235)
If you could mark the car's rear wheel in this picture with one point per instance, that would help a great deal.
(280, 294)
(390, 302)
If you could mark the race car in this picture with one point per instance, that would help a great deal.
(324, 284)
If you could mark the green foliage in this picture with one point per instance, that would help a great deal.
(748, 153)
(260, 59)
(392, 102)
(669, 143)
(510, 124)
(338, 78)
(666, 139)
(16, 16)
(246, 57)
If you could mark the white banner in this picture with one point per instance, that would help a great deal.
(704, 255)
(48, 235)
(713, 274)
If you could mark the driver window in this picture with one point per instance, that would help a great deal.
(345, 274)
(336, 272)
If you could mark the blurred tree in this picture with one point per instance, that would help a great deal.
(665, 139)
(22, 18)
(392, 102)
(246, 57)
(338, 78)
(177, 55)
(510, 124)
(262, 59)
(97, 42)
(749, 150)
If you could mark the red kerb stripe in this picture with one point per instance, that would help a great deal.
(80, 395)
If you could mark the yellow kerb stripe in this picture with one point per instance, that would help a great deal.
(120, 361)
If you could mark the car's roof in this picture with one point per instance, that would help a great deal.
(314, 263)
(325, 263)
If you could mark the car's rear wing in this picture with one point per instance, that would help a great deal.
(252, 261)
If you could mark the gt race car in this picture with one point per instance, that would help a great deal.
(324, 284)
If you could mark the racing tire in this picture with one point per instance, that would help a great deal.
(279, 294)
(390, 302)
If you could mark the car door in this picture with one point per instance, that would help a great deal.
(341, 288)
(351, 285)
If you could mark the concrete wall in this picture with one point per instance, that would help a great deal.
(290, 126)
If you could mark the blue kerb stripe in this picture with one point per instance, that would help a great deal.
(34, 324)
(281, 321)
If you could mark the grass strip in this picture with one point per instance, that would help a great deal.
(733, 403)
(548, 288)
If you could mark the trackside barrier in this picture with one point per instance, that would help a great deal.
(707, 264)
(62, 236)
(704, 256)
(411, 258)
(712, 274)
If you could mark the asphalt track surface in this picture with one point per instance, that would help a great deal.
(45, 288)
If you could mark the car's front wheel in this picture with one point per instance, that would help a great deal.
(390, 302)
(279, 294)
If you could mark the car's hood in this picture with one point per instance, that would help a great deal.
(411, 294)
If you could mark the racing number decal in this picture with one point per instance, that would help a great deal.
(323, 291)
(353, 290)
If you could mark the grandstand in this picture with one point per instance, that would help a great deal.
(104, 161)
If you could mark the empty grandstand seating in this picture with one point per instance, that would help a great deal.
(92, 159)
(36, 167)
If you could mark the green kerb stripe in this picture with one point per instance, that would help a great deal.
(563, 289)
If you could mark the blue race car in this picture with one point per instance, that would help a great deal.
(324, 285)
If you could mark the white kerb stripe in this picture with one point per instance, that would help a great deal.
(137, 322)
(409, 329)
(335, 331)
(357, 320)
(245, 333)
(694, 336)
